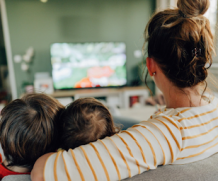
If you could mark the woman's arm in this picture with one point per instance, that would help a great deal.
(38, 169)
(140, 148)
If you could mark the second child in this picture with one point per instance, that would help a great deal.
(83, 121)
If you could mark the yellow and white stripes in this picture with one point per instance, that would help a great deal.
(175, 136)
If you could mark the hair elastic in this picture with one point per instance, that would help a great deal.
(182, 14)
(196, 52)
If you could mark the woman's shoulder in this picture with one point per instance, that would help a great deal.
(186, 111)
(180, 115)
(168, 113)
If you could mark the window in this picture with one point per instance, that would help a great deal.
(211, 14)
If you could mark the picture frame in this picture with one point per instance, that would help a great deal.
(44, 85)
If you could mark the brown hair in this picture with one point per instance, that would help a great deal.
(181, 42)
(83, 121)
(28, 129)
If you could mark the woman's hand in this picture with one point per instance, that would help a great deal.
(37, 174)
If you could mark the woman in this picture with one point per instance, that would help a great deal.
(180, 47)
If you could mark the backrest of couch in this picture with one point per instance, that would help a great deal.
(17, 178)
(204, 170)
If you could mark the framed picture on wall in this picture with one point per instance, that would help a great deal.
(44, 85)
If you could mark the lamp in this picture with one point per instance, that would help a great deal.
(44, 1)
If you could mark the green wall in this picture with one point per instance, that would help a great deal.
(32, 23)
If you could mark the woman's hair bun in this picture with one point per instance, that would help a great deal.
(193, 8)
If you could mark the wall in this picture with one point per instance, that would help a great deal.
(32, 23)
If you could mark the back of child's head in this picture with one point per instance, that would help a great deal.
(28, 129)
(83, 121)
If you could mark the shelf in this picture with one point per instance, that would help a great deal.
(94, 92)
(115, 96)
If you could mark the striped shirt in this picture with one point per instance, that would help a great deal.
(174, 136)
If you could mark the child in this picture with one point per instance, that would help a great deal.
(83, 121)
(28, 129)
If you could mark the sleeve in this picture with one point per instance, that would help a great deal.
(142, 147)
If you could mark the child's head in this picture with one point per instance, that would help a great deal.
(28, 129)
(84, 121)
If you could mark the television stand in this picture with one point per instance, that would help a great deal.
(114, 96)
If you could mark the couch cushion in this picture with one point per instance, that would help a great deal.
(204, 170)
(17, 178)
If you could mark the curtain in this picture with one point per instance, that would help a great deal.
(164, 4)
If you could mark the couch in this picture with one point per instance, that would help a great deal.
(204, 170)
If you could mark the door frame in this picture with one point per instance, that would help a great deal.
(8, 49)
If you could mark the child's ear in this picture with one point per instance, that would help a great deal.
(151, 65)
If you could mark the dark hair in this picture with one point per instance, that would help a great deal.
(181, 42)
(28, 129)
(83, 121)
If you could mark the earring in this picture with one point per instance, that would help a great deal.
(154, 73)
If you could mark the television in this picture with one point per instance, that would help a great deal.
(88, 65)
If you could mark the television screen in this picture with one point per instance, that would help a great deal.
(86, 65)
